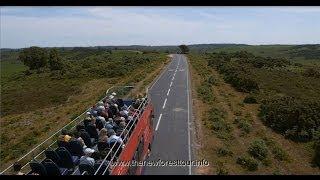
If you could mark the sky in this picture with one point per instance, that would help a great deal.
(103, 26)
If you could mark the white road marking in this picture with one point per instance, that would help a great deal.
(168, 92)
(164, 103)
(158, 122)
(172, 78)
(160, 76)
(189, 144)
(171, 83)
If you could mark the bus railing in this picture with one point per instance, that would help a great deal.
(136, 118)
(76, 120)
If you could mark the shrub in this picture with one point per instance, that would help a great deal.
(222, 170)
(211, 80)
(223, 151)
(258, 149)
(297, 119)
(205, 92)
(248, 162)
(280, 154)
(250, 100)
(243, 124)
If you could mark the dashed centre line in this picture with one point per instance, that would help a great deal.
(158, 122)
(171, 83)
(168, 92)
(164, 103)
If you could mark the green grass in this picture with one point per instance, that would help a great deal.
(37, 91)
(9, 68)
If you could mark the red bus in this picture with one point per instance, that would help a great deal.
(138, 146)
(118, 158)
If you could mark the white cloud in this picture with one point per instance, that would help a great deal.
(129, 25)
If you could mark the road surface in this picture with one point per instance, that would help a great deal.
(172, 109)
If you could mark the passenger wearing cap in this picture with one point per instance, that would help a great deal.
(87, 159)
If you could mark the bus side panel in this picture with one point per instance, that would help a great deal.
(131, 146)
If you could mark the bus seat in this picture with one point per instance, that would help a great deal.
(101, 170)
(86, 138)
(51, 168)
(37, 168)
(86, 167)
(51, 154)
(75, 148)
(67, 161)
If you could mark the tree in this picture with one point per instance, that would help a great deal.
(55, 62)
(34, 57)
(184, 49)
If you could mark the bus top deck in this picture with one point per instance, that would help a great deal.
(51, 158)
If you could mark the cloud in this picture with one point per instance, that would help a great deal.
(92, 26)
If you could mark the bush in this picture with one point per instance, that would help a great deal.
(205, 92)
(211, 80)
(258, 149)
(280, 154)
(297, 119)
(223, 151)
(222, 170)
(244, 125)
(248, 162)
(250, 100)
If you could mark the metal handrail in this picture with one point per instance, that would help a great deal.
(137, 118)
(39, 145)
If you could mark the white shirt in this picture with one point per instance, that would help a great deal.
(87, 160)
(115, 137)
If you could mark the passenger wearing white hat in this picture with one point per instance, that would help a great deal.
(87, 159)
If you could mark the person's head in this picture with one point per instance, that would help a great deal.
(122, 124)
(104, 138)
(110, 120)
(122, 119)
(88, 152)
(111, 132)
(103, 132)
(17, 167)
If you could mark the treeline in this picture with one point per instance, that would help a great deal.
(83, 62)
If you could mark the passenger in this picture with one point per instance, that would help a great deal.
(93, 108)
(65, 136)
(122, 129)
(104, 113)
(129, 119)
(87, 159)
(17, 169)
(103, 133)
(87, 121)
(114, 137)
(103, 120)
(80, 140)
(109, 124)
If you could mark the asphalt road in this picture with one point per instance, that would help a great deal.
(171, 99)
